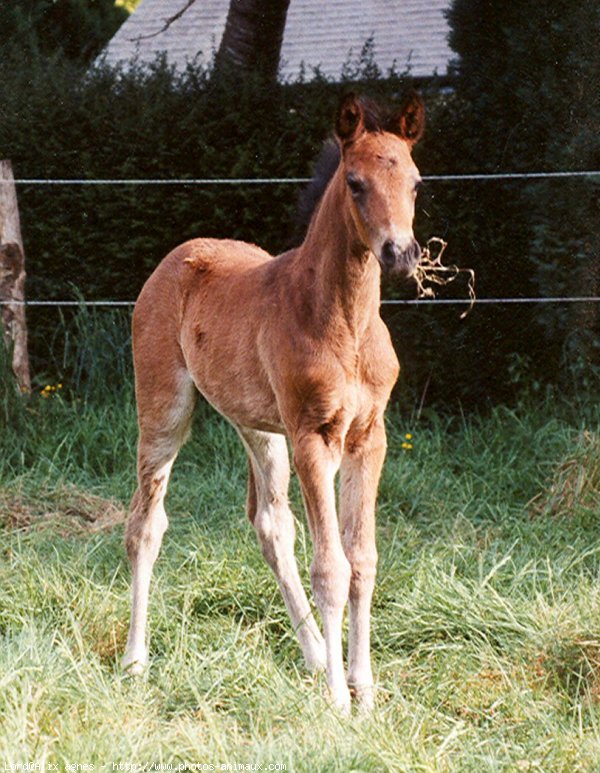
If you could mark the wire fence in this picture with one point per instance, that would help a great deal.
(206, 181)
(385, 302)
(241, 181)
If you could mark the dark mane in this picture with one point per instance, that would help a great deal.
(326, 164)
(376, 119)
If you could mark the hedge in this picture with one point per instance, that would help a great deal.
(57, 121)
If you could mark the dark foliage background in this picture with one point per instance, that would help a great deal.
(529, 80)
(76, 29)
(521, 101)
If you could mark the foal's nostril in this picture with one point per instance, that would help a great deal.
(389, 253)
(415, 252)
(398, 259)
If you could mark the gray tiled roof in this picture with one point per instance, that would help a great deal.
(318, 33)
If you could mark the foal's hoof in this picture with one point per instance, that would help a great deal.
(135, 669)
(133, 665)
(364, 697)
(317, 662)
(340, 701)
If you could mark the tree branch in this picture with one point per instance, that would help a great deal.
(168, 22)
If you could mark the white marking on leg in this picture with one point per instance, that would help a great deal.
(360, 674)
(163, 430)
(148, 540)
(359, 480)
(330, 574)
(274, 524)
(317, 466)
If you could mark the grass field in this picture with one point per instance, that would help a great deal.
(486, 620)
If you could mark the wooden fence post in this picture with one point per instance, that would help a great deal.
(12, 278)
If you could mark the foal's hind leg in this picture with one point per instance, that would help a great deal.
(274, 523)
(164, 411)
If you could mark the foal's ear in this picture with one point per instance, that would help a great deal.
(409, 121)
(350, 121)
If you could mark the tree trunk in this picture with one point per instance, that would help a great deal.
(253, 36)
(12, 278)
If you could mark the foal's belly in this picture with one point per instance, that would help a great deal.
(254, 412)
(233, 381)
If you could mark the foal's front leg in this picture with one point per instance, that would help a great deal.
(360, 472)
(317, 463)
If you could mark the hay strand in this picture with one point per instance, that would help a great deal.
(431, 271)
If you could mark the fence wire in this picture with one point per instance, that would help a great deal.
(385, 302)
(240, 181)
(205, 181)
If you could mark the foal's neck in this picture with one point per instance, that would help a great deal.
(346, 274)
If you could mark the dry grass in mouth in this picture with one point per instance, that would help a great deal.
(431, 270)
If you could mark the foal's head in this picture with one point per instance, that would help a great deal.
(381, 178)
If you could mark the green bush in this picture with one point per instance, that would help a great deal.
(528, 77)
(59, 120)
(76, 29)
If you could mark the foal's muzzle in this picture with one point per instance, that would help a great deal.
(399, 260)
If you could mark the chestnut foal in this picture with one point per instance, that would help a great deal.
(291, 347)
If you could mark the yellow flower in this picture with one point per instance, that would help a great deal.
(408, 436)
(49, 389)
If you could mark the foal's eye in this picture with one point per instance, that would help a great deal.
(356, 185)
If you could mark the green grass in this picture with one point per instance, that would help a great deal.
(486, 618)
